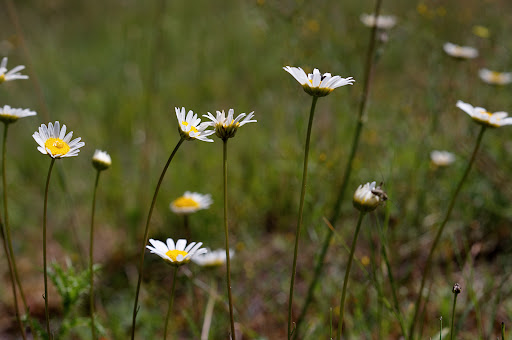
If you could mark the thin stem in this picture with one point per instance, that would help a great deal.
(452, 334)
(348, 169)
(299, 220)
(45, 269)
(226, 232)
(91, 259)
(208, 314)
(146, 233)
(440, 231)
(347, 272)
(171, 300)
(502, 331)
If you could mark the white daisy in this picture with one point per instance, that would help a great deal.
(495, 78)
(54, 142)
(10, 115)
(484, 117)
(101, 160)
(461, 52)
(226, 126)
(383, 21)
(442, 158)
(368, 197)
(191, 126)
(12, 74)
(176, 254)
(212, 258)
(316, 84)
(191, 202)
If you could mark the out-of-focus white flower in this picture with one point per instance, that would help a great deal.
(484, 117)
(368, 197)
(495, 78)
(383, 21)
(317, 84)
(212, 258)
(10, 115)
(191, 126)
(461, 52)
(176, 254)
(191, 202)
(442, 158)
(12, 74)
(101, 160)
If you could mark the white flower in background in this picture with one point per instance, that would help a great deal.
(191, 126)
(442, 158)
(12, 74)
(226, 126)
(383, 21)
(461, 52)
(316, 84)
(191, 202)
(101, 160)
(368, 197)
(54, 142)
(212, 258)
(176, 254)
(484, 117)
(495, 78)
(10, 115)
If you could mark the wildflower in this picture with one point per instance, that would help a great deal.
(316, 84)
(483, 117)
(176, 254)
(101, 160)
(191, 126)
(212, 258)
(191, 202)
(456, 288)
(226, 127)
(495, 78)
(368, 197)
(10, 115)
(12, 74)
(383, 21)
(442, 158)
(54, 142)
(461, 52)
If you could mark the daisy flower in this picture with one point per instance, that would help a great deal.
(461, 52)
(176, 254)
(225, 127)
(191, 202)
(442, 158)
(101, 160)
(54, 142)
(212, 258)
(191, 126)
(10, 115)
(495, 78)
(316, 84)
(368, 197)
(484, 117)
(383, 21)
(12, 74)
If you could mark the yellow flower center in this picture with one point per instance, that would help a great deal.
(2, 78)
(57, 146)
(185, 202)
(173, 254)
(495, 76)
(192, 128)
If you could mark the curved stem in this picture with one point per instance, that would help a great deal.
(347, 272)
(440, 231)
(299, 220)
(226, 232)
(91, 258)
(146, 232)
(171, 300)
(45, 269)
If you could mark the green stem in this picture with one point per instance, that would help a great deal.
(502, 331)
(171, 300)
(299, 220)
(347, 272)
(226, 232)
(45, 269)
(452, 334)
(91, 259)
(440, 231)
(146, 233)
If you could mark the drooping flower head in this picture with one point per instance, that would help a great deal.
(191, 126)
(12, 74)
(442, 158)
(316, 84)
(101, 160)
(212, 258)
(460, 52)
(484, 117)
(176, 254)
(54, 142)
(382, 21)
(226, 126)
(368, 197)
(495, 78)
(191, 202)
(10, 115)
